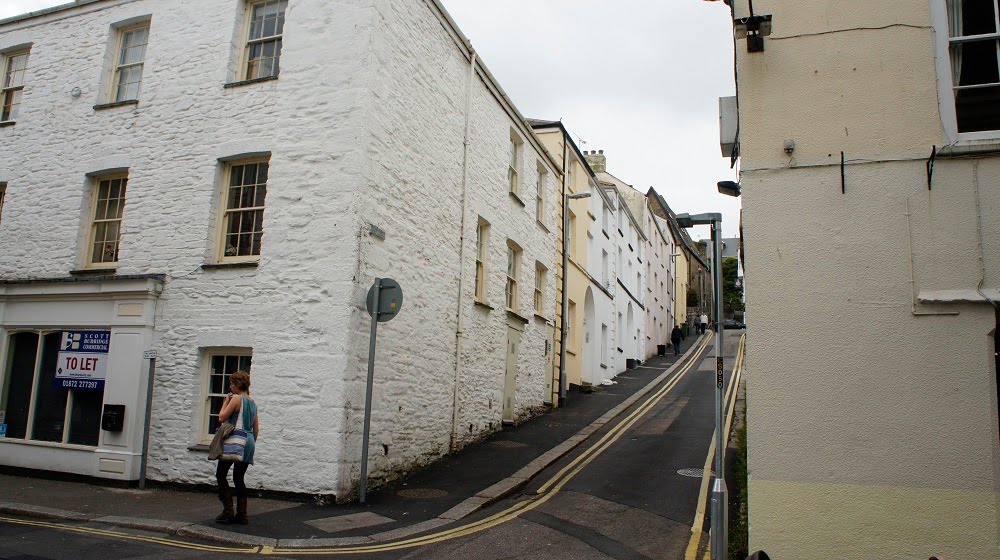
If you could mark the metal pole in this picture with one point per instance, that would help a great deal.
(720, 498)
(368, 392)
(145, 431)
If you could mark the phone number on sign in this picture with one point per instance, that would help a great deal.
(79, 384)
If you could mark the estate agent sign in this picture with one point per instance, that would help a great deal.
(83, 360)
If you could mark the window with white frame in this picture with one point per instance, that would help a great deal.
(482, 247)
(243, 210)
(219, 365)
(605, 271)
(514, 164)
(37, 407)
(129, 61)
(12, 85)
(540, 185)
(570, 178)
(107, 209)
(513, 273)
(571, 234)
(606, 218)
(973, 45)
(539, 288)
(570, 321)
(265, 31)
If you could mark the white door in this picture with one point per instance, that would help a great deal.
(510, 382)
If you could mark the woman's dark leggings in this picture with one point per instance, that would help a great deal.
(222, 474)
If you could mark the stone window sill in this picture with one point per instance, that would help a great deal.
(543, 318)
(244, 264)
(517, 317)
(604, 366)
(541, 225)
(517, 198)
(198, 447)
(240, 83)
(606, 234)
(484, 305)
(570, 351)
(104, 106)
(4, 124)
(82, 271)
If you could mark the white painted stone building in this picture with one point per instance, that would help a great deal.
(630, 283)
(161, 184)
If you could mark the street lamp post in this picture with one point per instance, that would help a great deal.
(720, 494)
(565, 297)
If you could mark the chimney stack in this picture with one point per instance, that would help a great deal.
(597, 161)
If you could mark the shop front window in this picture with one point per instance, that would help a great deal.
(35, 406)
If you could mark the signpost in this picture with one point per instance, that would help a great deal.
(151, 356)
(384, 300)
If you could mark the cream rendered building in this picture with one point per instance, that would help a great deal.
(869, 140)
(590, 335)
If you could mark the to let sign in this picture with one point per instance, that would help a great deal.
(83, 360)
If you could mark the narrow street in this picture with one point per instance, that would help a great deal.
(629, 501)
(620, 494)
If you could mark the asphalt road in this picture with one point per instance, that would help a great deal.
(619, 495)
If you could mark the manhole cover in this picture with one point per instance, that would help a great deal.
(421, 493)
(693, 473)
(506, 444)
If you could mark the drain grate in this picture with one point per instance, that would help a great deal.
(693, 473)
(421, 493)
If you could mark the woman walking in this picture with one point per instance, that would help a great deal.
(241, 411)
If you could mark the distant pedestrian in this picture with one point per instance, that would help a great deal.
(675, 339)
(241, 411)
(703, 320)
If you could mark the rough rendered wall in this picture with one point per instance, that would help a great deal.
(415, 123)
(859, 411)
(485, 347)
(292, 309)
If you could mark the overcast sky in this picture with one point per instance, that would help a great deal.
(639, 79)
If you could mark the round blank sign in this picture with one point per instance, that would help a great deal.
(389, 301)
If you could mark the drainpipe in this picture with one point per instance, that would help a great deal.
(565, 264)
(460, 331)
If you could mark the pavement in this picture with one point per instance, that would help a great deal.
(446, 491)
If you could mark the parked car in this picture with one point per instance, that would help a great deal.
(733, 324)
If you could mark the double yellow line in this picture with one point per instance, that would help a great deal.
(91, 531)
(546, 492)
(697, 528)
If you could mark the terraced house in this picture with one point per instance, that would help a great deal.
(217, 183)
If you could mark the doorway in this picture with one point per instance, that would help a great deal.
(510, 380)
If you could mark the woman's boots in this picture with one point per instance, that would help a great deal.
(226, 497)
(241, 512)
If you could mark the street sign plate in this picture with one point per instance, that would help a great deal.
(718, 372)
(149, 355)
(390, 300)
